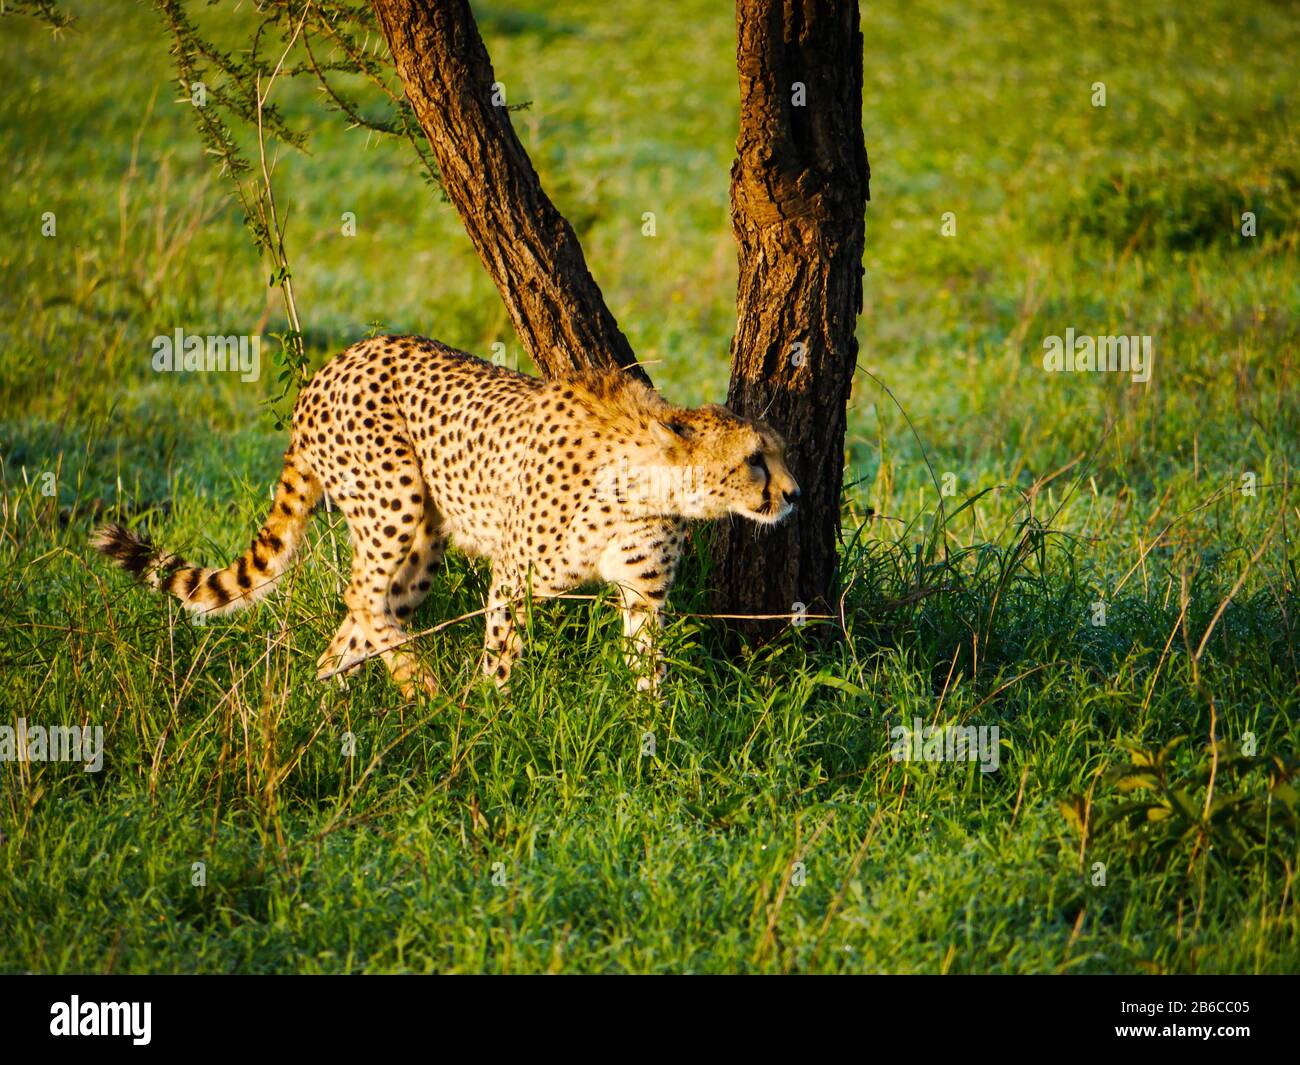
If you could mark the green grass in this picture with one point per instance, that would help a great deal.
(770, 829)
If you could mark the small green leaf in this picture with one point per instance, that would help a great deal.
(1137, 782)
(839, 683)
(1072, 809)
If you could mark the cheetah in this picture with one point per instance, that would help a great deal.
(559, 483)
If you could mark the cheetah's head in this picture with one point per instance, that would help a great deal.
(729, 464)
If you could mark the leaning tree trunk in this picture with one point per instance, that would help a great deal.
(529, 249)
(799, 188)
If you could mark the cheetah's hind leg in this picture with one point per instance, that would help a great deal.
(501, 640)
(414, 578)
(349, 648)
(346, 651)
(386, 518)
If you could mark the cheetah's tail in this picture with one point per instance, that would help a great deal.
(244, 581)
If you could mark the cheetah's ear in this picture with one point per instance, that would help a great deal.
(670, 433)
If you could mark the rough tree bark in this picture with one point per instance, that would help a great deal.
(529, 249)
(799, 188)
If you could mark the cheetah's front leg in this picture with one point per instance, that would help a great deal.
(640, 630)
(640, 563)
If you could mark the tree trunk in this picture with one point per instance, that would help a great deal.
(799, 188)
(529, 249)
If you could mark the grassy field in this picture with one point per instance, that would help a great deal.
(1114, 565)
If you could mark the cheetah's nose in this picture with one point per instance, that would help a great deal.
(792, 496)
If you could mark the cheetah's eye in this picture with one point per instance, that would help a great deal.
(758, 461)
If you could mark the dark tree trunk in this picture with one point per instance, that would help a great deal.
(529, 249)
(799, 188)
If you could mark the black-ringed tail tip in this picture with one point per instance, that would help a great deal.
(244, 581)
(133, 553)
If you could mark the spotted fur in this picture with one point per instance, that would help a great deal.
(559, 483)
